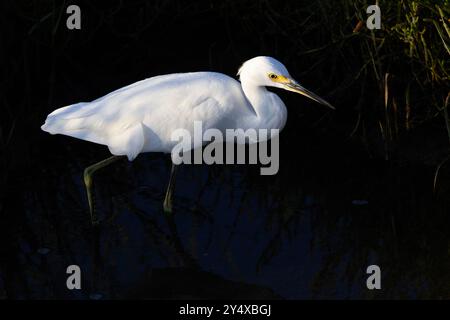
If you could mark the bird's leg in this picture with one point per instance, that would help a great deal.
(169, 191)
(88, 181)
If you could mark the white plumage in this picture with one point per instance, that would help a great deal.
(142, 116)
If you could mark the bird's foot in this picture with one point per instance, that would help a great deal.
(168, 202)
(167, 208)
(95, 222)
(94, 219)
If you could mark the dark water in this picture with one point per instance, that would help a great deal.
(309, 232)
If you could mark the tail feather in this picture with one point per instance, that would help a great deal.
(74, 121)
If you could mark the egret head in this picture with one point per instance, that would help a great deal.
(269, 72)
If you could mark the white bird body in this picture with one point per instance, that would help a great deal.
(141, 117)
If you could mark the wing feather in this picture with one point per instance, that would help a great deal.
(142, 116)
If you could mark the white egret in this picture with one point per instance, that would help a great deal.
(142, 116)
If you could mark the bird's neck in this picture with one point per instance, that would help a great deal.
(270, 111)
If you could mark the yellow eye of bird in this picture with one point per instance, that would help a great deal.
(273, 76)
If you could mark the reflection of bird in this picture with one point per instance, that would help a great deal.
(142, 116)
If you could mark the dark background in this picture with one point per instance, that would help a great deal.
(366, 184)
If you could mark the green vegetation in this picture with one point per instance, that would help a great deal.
(398, 77)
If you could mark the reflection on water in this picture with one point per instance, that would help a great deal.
(308, 232)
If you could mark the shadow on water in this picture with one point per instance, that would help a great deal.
(308, 232)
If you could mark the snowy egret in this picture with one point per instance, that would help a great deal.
(141, 117)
